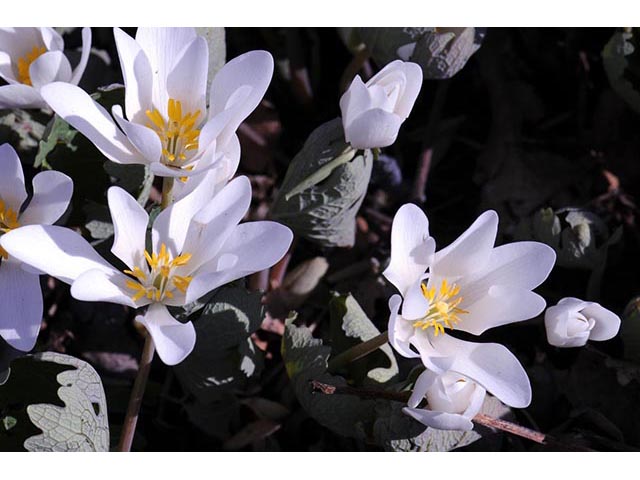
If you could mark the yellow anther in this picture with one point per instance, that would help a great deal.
(178, 133)
(443, 307)
(24, 63)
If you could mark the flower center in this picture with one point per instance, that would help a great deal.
(178, 134)
(8, 221)
(160, 282)
(25, 62)
(443, 307)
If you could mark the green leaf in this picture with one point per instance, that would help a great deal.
(621, 59)
(351, 326)
(324, 188)
(441, 52)
(224, 355)
(82, 424)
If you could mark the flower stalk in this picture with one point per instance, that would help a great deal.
(148, 351)
(357, 351)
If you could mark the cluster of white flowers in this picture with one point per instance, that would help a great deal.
(197, 243)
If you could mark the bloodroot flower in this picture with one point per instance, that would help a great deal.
(196, 246)
(166, 123)
(31, 58)
(572, 322)
(20, 294)
(373, 112)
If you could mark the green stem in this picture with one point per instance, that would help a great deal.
(356, 352)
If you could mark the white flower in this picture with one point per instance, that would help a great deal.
(20, 295)
(471, 286)
(31, 58)
(572, 322)
(196, 246)
(453, 400)
(167, 124)
(373, 112)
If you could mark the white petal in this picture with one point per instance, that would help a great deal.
(212, 225)
(607, 323)
(373, 129)
(556, 322)
(439, 420)
(21, 300)
(6, 68)
(187, 81)
(130, 222)
(144, 139)
(491, 365)
(415, 304)
(58, 251)
(84, 56)
(173, 340)
(252, 247)
(138, 79)
(423, 383)
(400, 330)
(470, 251)
(20, 96)
(163, 47)
(500, 306)
(77, 108)
(51, 196)
(49, 67)
(413, 74)
(240, 85)
(412, 248)
(99, 286)
(354, 101)
(12, 189)
(18, 41)
(475, 405)
(52, 39)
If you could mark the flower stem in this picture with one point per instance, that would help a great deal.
(131, 418)
(356, 352)
(140, 383)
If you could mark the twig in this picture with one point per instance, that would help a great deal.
(358, 351)
(131, 418)
(422, 175)
(355, 65)
(403, 397)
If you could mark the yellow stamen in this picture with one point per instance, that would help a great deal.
(8, 221)
(178, 133)
(25, 62)
(443, 307)
(160, 282)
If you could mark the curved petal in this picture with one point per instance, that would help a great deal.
(439, 420)
(84, 56)
(6, 68)
(21, 300)
(130, 222)
(500, 306)
(100, 286)
(52, 193)
(374, 128)
(58, 251)
(20, 96)
(400, 330)
(49, 67)
(251, 247)
(212, 225)
(606, 325)
(475, 405)
(240, 85)
(491, 365)
(423, 383)
(412, 248)
(138, 78)
(163, 47)
(52, 40)
(187, 81)
(144, 139)
(415, 305)
(470, 252)
(12, 190)
(354, 101)
(413, 74)
(173, 340)
(77, 108)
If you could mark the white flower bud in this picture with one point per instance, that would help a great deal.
(373, 112)
(572, 322)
